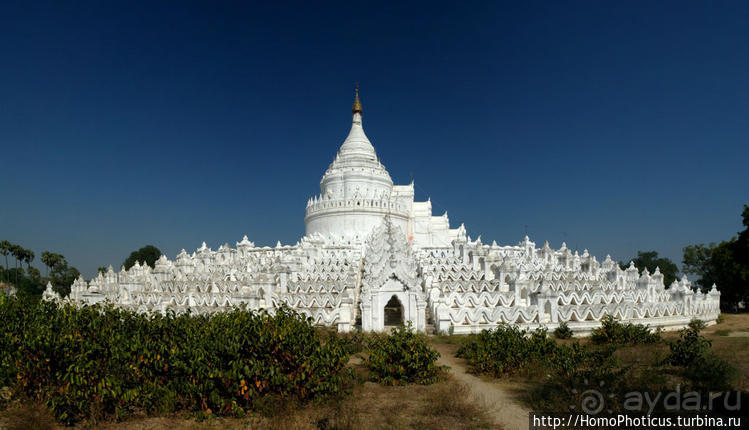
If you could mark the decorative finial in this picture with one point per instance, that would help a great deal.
(357, 103)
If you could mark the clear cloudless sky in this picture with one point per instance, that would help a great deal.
(613, 126)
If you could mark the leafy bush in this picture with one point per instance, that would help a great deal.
(563, 331)
(403, 357)
(693, 352)
(575, 369)
(690, 347)
(505, 349)
(710, 373)
(100, 361)
(353, 342)
(697, 324)
(615, 333)
(720, 319)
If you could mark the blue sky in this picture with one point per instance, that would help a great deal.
(614, 126)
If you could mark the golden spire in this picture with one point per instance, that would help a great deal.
(357, 103)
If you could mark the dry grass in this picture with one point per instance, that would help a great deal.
(27, 416)
(452, 401)
(643, 359)
(733, 322)
(445, 405)
(727, 344)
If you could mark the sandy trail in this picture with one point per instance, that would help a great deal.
(505, 410)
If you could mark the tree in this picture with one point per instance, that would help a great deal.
(742, 247)
(148, 254)
(51, 260)
(5, 250)
(726, 265)
(28, 257)
(696, 261)
(63, 276)
(18, 253)
(649, 260)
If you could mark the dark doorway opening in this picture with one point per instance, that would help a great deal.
(393, 312)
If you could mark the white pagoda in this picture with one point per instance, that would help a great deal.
(373, 257)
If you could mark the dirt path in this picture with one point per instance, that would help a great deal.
(504, 409)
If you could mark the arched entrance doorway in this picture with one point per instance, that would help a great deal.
(393, 312)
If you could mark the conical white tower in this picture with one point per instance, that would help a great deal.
(356, 190)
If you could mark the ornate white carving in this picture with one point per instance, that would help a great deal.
(368, 240)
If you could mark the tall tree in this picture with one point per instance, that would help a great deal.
(51, 260)
(148, 254)
(726, 265)
(17, 252)
(45, 258)
(696, 261)
(650, 260)
(28, 258)
(62, 276)
(5, 250)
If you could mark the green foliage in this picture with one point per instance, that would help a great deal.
(690, 347)
(30, 280)
(725, 265)
(403, 357)
(61, 275)
(576, 367)
(711, 373)
(102, 361)
(697, 324)
(354, 342)
(720, 319)
(563, 331)
(613, 332)
(51, 260)
(650, 260)
(505, 350)
(693, 352)
(572, 370)
(148, 254)
(696, 262)
(31, 284)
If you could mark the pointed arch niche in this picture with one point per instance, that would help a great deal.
(390, 303)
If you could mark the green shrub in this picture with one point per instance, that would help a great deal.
(720, 319)
(706, 371)
(563, 331)
(99, 361)
(576, 364)
(697, 324)
(615, 333)
(690, 347)
(353, 342)
(575, 369)
(505, 349)
(710, 373)
(403, 357)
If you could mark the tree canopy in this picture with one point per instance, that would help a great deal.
(725, 264)
(148, 254)
(30, 280)
(650, 260)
